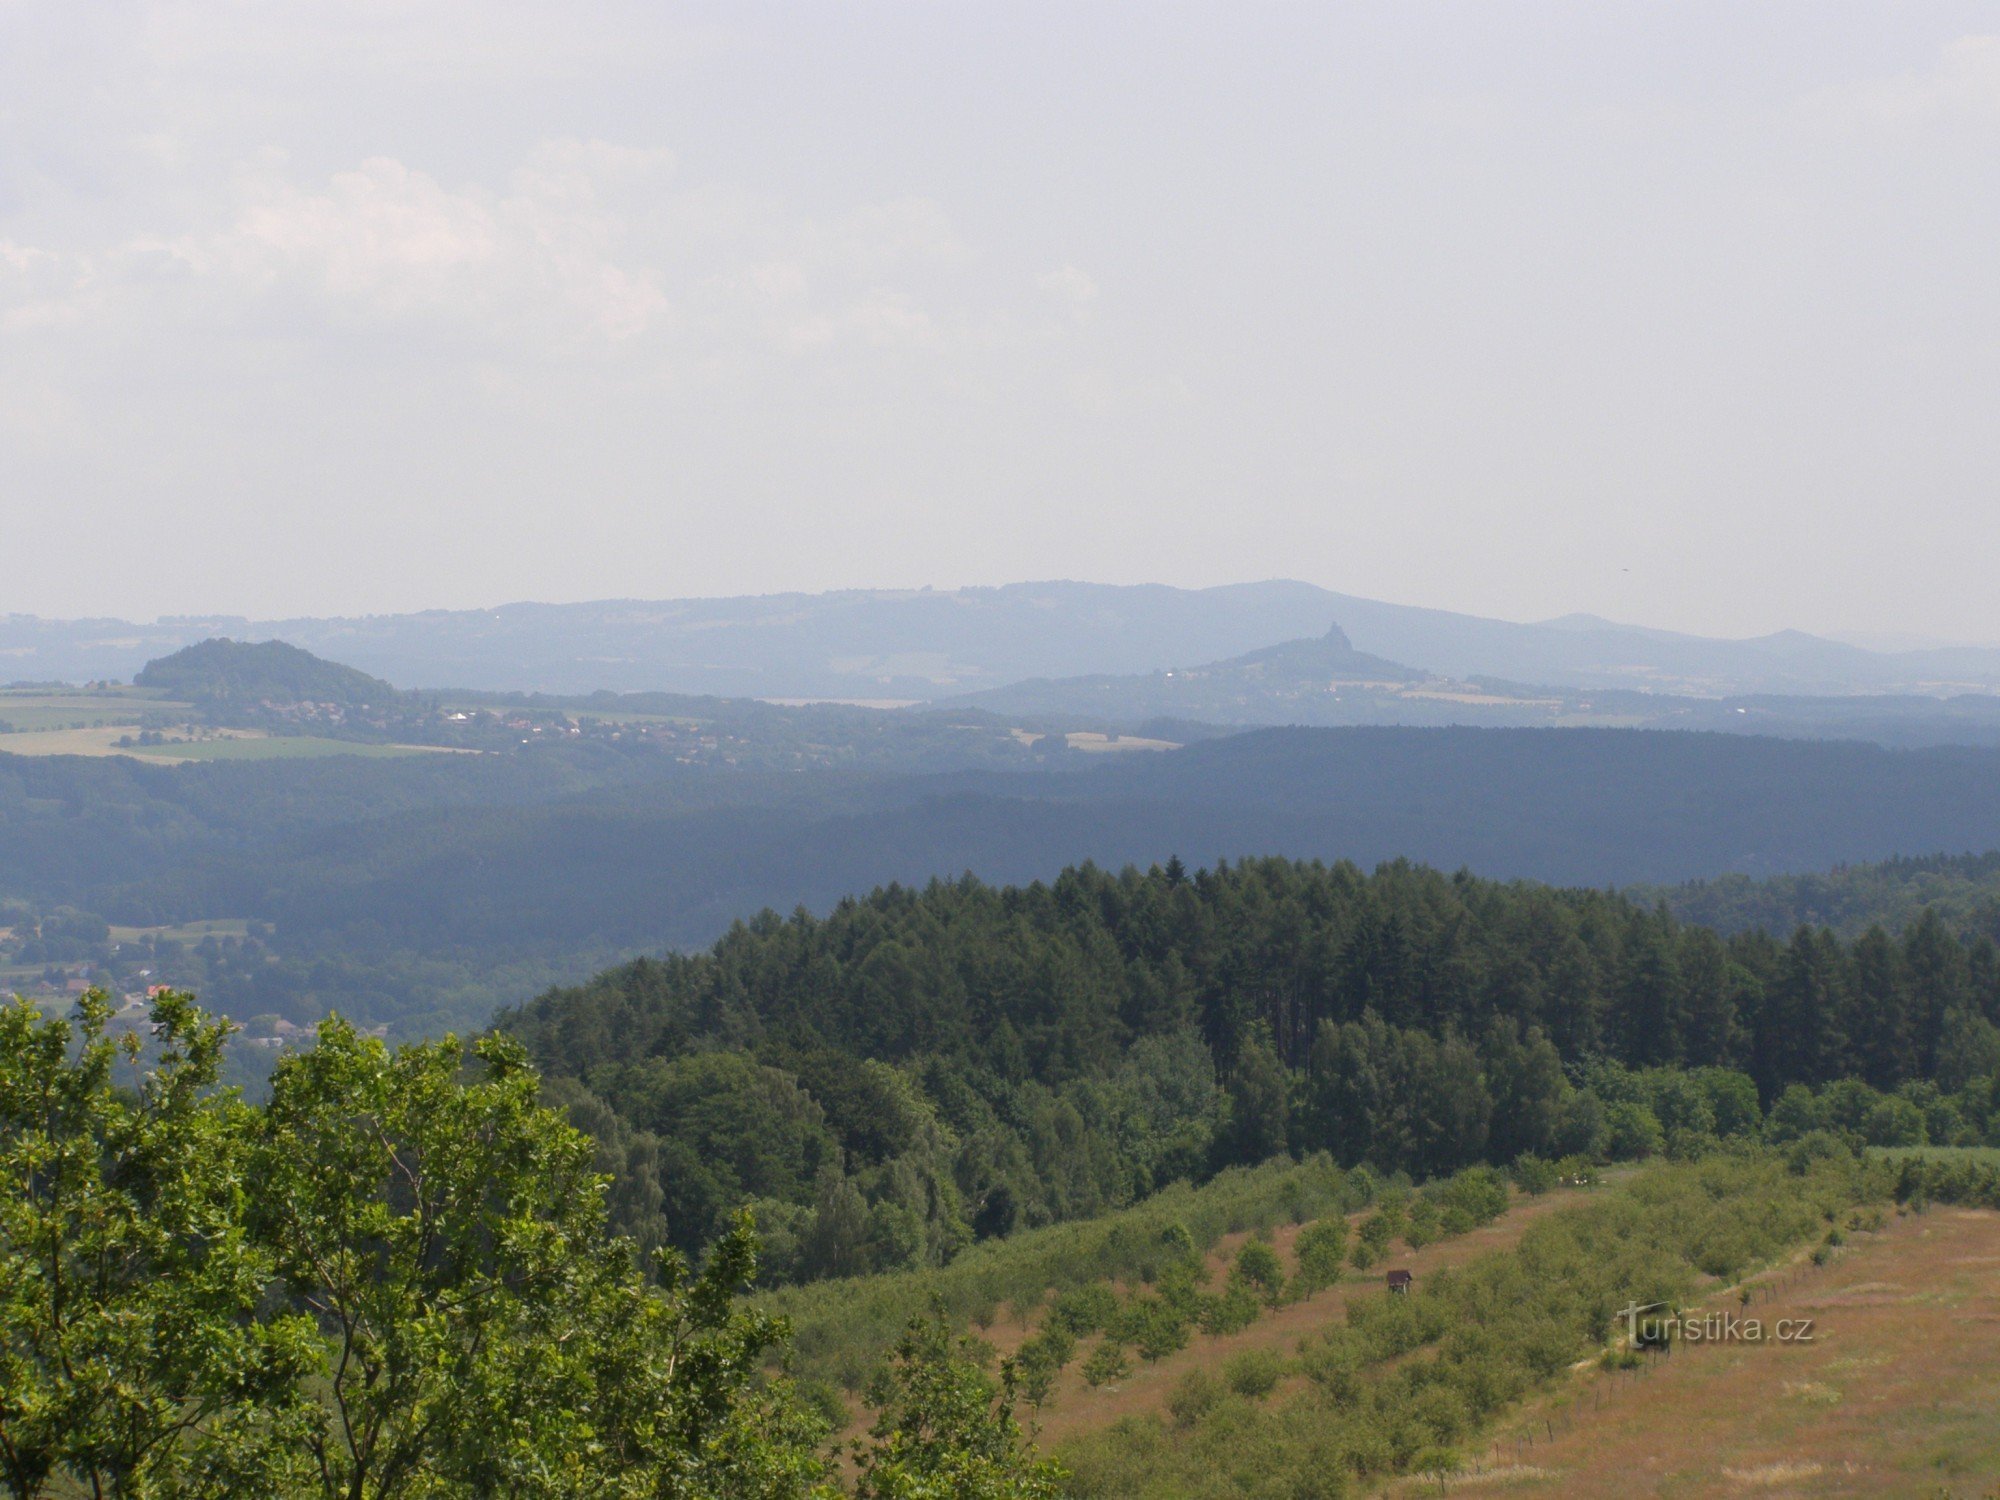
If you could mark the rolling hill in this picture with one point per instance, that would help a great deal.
(930, 643)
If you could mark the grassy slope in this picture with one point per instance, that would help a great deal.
(841, 1328)
(1897, 1394)
(1413, 1407)
(999, 1292)
(1075, 1408)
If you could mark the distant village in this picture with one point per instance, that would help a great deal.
(472, 727)
(56, 959)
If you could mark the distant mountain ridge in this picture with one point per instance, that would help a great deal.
(1324, 682)
(1305, 681)
(938, 643)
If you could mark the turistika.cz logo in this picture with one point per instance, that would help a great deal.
(1655, 1324)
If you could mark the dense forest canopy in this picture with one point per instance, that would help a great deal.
(922, 1066)
(1964, 890)
(583, 848)
(420, 894)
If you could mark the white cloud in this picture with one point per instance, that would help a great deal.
(40, 288)
(394, 241)
(587, 240)
(1962, 88)
(1072, 287)
(878, 237)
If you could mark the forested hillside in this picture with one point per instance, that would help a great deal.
(1962, 889)
(921, 1067)
(225, 674)
(371, 874)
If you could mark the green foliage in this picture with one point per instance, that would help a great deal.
(1534, 1175)
(132, 1359)
(239, 674)
(1476, 1195)
(1234, 1310)
(1106, 1363)
(1408, 1381)
(1041, 1359)
(1320, 1247)
(1890, 893)
(1969, 1178)
(1194, 1397)
(1256, 1265)
(1081, 1042)
(842, 1329)
(393, 1280)
(1253, 1372)
(1033, 1054)
(1423, 1223)
(1084, 1310)
(1259, 1103)
(1378, 1230)
(1154, 1326)
(1635, 1131)
(944, 1430)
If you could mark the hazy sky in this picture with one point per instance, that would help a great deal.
(1680, 313)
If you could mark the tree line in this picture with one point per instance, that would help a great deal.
(925, 1067)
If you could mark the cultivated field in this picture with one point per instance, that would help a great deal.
(33, 710)
(185, 932)
(221, 744)
(1077, 1408)
(1897, 1393)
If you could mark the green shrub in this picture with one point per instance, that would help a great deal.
(1194, 1397)
(1233, 1311)
(824, 1398)
(1161, 1330)
(1253, 1372)
(1083, 1310)
(1257, 1265)
(1107, 1363)
(1635, 1131)
(1040, 1360)
(842, 1328)
(1533, 1174)
(1319, 1249)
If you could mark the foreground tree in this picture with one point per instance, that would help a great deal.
(392, 1281)
(945, 1431)
(133, 1360)
(446, 1233)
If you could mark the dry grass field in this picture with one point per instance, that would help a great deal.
(217, 744)
(102, 739)
(1898, 1392)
